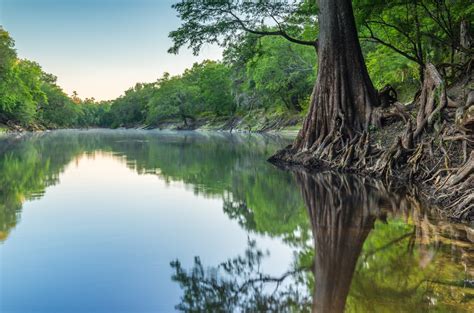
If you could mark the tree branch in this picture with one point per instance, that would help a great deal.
(279, 32)
(270, 279)
(382, 42)
(398, 29)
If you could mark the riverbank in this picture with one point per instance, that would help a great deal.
(400, 178)
(437, 166)
(11, 127)
(256, 121)
(427, 146)
(452, 199)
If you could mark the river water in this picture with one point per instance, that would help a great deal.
(151, 221)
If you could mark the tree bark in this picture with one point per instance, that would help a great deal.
(343, 96)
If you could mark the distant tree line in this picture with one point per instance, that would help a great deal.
(29, 96)
(268, 67)
(267, 75)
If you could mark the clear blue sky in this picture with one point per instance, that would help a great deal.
(99, 48)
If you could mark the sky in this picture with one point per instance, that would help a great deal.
(99, 48)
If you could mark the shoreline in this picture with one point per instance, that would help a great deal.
(426, 191)
(436, 170)
(279, 125)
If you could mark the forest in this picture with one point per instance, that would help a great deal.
(267, 75)
(262, 74)
(378, 87)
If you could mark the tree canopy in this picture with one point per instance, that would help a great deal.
(268, 68)
(30, 96)
(421, 31)
(224, 22)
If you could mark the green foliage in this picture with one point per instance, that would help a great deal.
(223, 22)
(20, 84)
(271, 72)
(174, 100)
(260, 73)
(420, 31)
(7, 52)
(399, 37)
(268, 69)
(28, 95)
(130, 109)
(57, 109)
(204, 89)
(212, 80)
(387, 67)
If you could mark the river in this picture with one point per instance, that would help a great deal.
(155, 221)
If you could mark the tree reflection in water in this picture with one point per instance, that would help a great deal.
(239, 285)
(410, 261)
(342, 210)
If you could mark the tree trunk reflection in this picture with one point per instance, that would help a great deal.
(342, 210)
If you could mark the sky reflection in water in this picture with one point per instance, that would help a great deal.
(90, 221)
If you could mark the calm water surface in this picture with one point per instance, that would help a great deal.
(149, 221)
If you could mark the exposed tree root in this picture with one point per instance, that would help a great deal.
(433, 150)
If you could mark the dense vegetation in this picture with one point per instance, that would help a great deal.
(422, 46)
(268, 75)
(268, 69)
(29, 97)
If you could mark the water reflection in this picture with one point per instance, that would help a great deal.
(342, 211)
(215, 165)
(373, 250)
(123, 205)
(358, 246)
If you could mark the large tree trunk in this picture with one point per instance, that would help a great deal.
(343, 97)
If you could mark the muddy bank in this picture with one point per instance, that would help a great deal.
(11, 127)
(254, 122)
(259, 122)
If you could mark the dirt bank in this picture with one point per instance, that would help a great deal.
(256, 121)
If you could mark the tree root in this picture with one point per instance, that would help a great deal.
(464, 172)
(427, 151)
